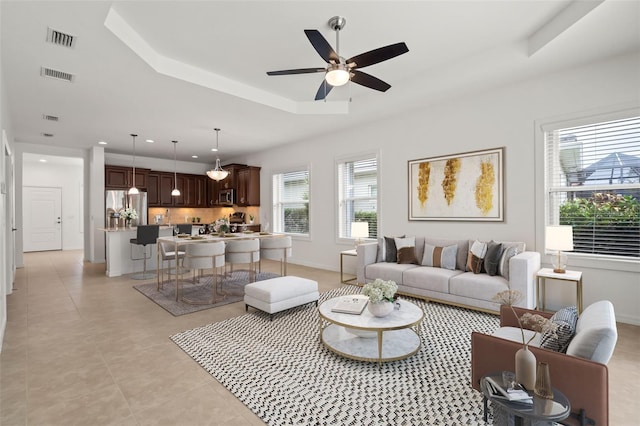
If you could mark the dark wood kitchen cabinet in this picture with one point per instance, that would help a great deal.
(120, 177)
(248, 186)
(153, 189)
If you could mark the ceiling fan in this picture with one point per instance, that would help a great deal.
(340, 71)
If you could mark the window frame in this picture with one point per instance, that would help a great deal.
(578, 260)
(279, 172)
(339, 161)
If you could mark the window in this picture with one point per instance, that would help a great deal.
(593, 184)
(358, 194)
(291, 202)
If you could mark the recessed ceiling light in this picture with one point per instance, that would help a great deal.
(214, 149)
(102, 143)
(150, 141)
(42, 160)
(194, 156)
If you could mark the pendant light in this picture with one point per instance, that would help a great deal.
(176, 191)
(133, 190)
(218, 173)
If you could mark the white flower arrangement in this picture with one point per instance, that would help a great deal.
(221, 225)
(130, 213)
(380, 290)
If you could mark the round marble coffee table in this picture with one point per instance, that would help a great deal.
(367, 338)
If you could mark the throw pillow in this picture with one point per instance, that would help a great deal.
(565, 319)
(508, 251)
(390, 251)
(479, 249)
(405, 242)
(474, 263)
(440, 257)
(407, 255)
(492, 258)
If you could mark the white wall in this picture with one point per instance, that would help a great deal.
(69, 177)
(500, 117)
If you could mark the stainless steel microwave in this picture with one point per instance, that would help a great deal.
(226, 196)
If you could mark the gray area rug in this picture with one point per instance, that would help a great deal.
(285, 375)
(232, 285)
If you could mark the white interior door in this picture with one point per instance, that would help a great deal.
(42, 218)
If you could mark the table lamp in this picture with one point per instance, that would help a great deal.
(359, 230)
(559, 238)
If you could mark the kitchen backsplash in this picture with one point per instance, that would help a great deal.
(207, 215)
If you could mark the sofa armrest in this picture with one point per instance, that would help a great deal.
(585, 383)
(508, 319)
(367, 254)
(522, 276)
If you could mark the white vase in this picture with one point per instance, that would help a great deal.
(526, 368)
(380, 309)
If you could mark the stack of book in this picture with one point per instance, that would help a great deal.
(351, 304)
(516, 394)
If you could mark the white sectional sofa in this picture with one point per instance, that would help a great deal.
(458, 285)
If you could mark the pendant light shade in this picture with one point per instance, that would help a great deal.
(176, 191)
(133, 190)
(218, 173)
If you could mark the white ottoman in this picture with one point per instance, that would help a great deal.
(281, 293)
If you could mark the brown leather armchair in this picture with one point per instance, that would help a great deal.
(585, 383)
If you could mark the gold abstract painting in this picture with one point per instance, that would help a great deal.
(467, 186)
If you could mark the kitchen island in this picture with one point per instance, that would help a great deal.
(119, 251)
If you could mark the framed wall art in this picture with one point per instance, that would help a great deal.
(468, 186)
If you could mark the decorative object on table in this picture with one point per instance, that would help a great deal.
(467, 186)
(129, 214)
(525, 360)
(217, 173)
(559, 238)
(221, 226)
(359, 230)
(543, 381)
(381, 295)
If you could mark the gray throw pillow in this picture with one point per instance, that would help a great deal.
(508, 251)
(390, 252)
(492, 258)
(565, 319)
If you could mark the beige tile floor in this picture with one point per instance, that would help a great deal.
(83, 349)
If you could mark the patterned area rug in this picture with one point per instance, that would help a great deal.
(285, 375)
(233, 286)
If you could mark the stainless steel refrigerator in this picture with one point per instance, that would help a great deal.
(117, 201)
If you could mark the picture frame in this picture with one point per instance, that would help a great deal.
(458, 187)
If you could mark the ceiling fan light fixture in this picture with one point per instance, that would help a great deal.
(337, 75)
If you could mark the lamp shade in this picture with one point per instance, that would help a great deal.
(559, 237)
(359, 229)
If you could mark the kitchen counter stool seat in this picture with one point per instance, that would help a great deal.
(145, 235)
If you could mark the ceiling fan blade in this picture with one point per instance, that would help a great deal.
(378, 55)
(323, 90)
(369, 81)
(296, 71)
(322, 46)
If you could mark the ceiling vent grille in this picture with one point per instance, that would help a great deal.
(50, 117)
(58, 75)
(59, 38)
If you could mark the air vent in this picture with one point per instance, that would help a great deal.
(50, 117)
(59, 38)
(58, 75)
(47, 135)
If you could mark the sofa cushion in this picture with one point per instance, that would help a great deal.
(565, 320)
(429, 278)
(461, 256)
(481, 286)
(407, 255)
(492, 258)
(390, 252)
(387, 271)
(596, 333)
(474, 263)
(440, 257)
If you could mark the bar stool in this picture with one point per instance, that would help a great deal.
(244, 251)
(276, 249)
(184, 228)
(200, 256)
(145, 235)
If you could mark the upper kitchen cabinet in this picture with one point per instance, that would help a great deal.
(248, 186)
(119, 177)
(193, 190)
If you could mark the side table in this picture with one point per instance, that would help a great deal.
(547, 273)
(344, 253)
(541, 412)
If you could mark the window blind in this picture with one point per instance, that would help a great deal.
(291, 202)
(358, 195)
(593, 184)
